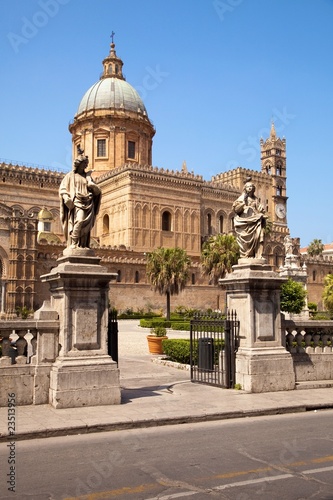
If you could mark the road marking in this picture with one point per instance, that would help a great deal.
(175, 495)
(143, 487)
(252, 481)
(317, 471)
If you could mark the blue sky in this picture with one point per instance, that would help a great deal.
(212, 74)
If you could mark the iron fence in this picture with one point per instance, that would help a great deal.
(214, 342)
(113, 335)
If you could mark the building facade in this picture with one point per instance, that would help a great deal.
(143, 207)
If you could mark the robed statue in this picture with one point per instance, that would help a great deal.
(249, 223)
(80, 199)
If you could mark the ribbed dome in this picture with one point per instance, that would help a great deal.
(112, 93)
(45, 214)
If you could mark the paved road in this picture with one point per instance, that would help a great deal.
(285, 457)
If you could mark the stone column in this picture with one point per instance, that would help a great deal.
(262, 362)
(83, 373)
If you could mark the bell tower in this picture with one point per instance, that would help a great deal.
(273, 163)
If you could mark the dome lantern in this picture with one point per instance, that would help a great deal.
(113, 65)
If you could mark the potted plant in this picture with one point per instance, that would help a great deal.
(157, 335)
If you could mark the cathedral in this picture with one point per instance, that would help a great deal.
(143, 207)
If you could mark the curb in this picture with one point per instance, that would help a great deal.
(139, 424)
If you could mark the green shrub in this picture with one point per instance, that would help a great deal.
(158, 331)
(183, 325)
(177, 350)
(152, 322)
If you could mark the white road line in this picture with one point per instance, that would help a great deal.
(252, 481)
(243, 483)
(317, 471)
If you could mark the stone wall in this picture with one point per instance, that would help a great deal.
(142, 296)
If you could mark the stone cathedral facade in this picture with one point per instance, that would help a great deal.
(143, 207)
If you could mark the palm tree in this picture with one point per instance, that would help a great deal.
(328, 292)
(168, 271)
(316, 247)
(219, 254)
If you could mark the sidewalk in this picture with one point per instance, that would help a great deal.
(153, 395)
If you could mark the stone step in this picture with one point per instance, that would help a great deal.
(314, 384)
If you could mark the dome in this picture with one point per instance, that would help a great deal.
(111, 93)
(45, 214)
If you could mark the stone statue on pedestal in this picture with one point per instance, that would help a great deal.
(249, 223)
(80, 201)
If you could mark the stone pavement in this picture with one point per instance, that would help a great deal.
(154, 394)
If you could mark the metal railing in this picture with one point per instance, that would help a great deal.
(214, 342)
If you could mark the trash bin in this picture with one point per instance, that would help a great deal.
(206, 354)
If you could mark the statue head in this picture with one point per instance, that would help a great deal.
(80, 162)
(249, 187)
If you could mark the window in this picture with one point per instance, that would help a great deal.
(166, 221)
(47, 226)
(209, 224)
(106, 224)
(101, 148)
(131, 149)
(221, 224)
(137, 277)
(278, 152)
(119, 276)
(193, 279)
(314, 275)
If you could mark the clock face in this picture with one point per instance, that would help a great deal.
(280, 211)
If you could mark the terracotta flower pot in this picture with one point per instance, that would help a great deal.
(155, 344)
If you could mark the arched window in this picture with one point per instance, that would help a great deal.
(221, 224)
(106, 224)
(166, 221)
(267, 168)
(209, 224)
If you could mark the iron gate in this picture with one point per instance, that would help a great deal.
(113, 335)
(214, 342)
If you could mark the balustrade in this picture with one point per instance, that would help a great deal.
(308, 336)
(18, 341)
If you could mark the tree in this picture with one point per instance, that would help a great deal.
(328, 292)
(292, 297)
(168, 271)
(316, 247)
(219, 254)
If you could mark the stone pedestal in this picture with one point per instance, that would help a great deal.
(83, 373)
(262, 362)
